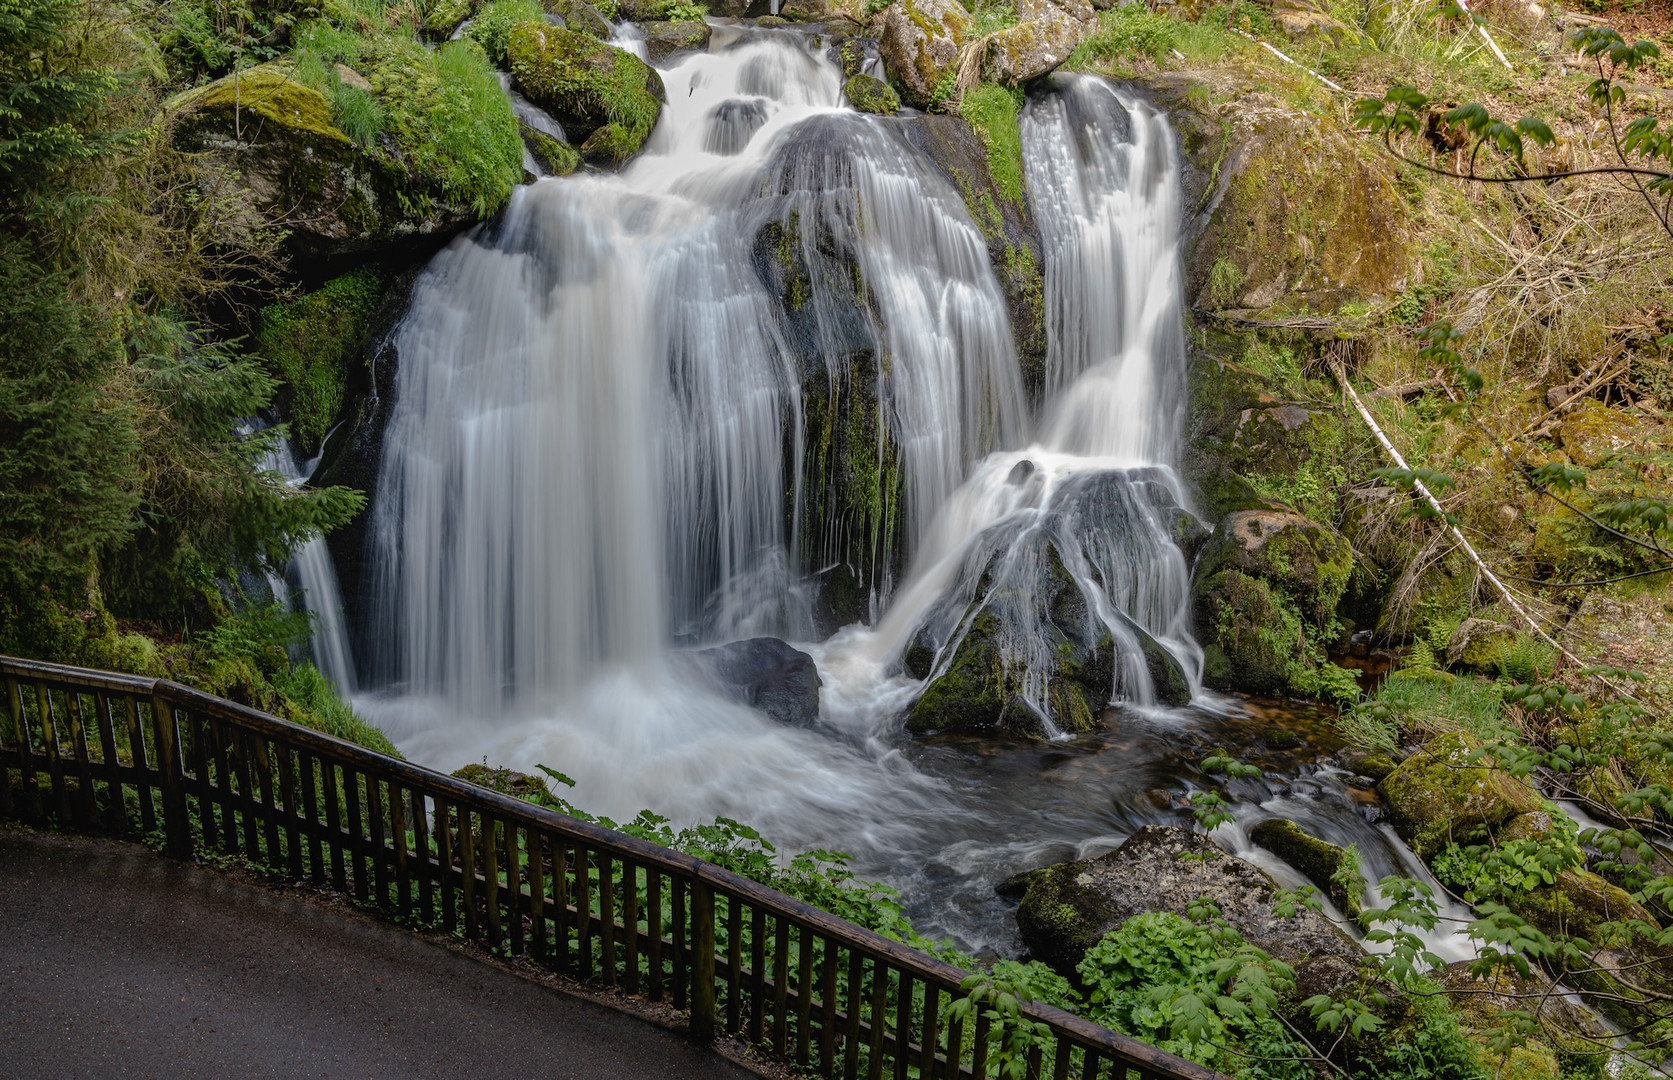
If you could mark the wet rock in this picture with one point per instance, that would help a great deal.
(1318, 860)
(1068, 907)
(1441, 793)
(445, 16)
(766, 674)
(557, 157)
(920, 42)
(270, 146)
(1374, 764)
(1476, 643)
(1249, 636)
(600, 94)
(871, 95)
(1046, 32)
(665, 39)
(581, 17)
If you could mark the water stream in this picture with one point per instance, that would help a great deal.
(611, 406)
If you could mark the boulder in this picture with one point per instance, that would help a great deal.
(1309, 561)
(804, 10)
(1476, 643)
(1442, 793)
(920, 41)
(601, 94)
(1317, 860)
(664, 39)
(1593, 433)
(445, 16)
(1250, 636)
(1046, 32)
(1069, 907)
(1373, 764)
(581, 17)
(870, 95)
(1484, 1001)
(269, 147)
(766, 674)
(1303, 19)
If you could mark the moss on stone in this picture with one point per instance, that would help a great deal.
(1252, 633)
(507, 782)
(445, 16)
(1319, 861)
(609, 95)
(871, 95)
(313, 344)
(557, 157)
(269, 91)
(1446, 793)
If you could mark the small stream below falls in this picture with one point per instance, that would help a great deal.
(598, 456)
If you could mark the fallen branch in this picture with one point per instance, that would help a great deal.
(1400, 390)
(1290, 59)
(1481, 28)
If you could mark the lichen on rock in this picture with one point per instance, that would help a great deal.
(920, 41)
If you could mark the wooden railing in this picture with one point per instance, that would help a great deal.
(103, 752)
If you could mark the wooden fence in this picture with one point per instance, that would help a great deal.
(147, 757)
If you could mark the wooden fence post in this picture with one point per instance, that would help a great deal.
(702, 961)
(177, 828)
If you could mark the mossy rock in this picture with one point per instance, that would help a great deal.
(555, 156)
(870, 95)
(1627, 628)
(1318, 860)
(609, 98)
(1373, 764)
(507, 782)
(665, 39)
(1476, 643)
(1445, 793)
(1594, 433)
(1251, 634)
(316, 344)
(1308, 561)
(445, 17)
(920, 41)
(1069, 907)
(581, 17)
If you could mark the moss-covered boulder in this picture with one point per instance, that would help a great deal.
(920, 41)
(1319, 861)
(607, 97)
(1068, 907)
(1250, 635)
(1476, 643)
(664, 39)
(268, 150)
(554, 155)
(1309, 561)
(990, 682)
(1303, 20)
(581, 17)
(1046, 32)
(444, 18)
(1446, 792)
(316, 345)
(871, 95)
(1593, 433)
(509, 782)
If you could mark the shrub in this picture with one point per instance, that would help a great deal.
(493, 25)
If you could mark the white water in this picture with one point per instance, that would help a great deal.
(310, 584)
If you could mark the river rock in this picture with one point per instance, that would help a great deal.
(1046, 32)
(1317, 860)
(766, 674)
(871, 95)
(1476, 643)
(270, 147)
(599, 93)
(444, 18)
(665, 39)
(581, 17)
(920, 41)
(1309, 561)
(1070, 906)
(1441, 793)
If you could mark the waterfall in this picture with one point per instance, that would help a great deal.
(587, 458)
(310, 583)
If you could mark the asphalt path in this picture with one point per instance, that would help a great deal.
(118, 962)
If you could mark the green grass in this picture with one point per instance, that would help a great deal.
(991, 111)
(494, 22)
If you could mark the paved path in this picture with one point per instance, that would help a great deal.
(117, 962)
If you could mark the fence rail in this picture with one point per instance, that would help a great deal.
(105, 752)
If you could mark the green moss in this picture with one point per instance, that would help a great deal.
(576, 76)
(1445, 793)
(313, 343)
(270, 91)
(1254, 633)
(1318, 861)
(445, 16)
(494, 22)
(559, 158)
(871, 95)
(992, 111)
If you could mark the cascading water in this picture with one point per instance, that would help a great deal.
(310, 581)
(676, 405)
